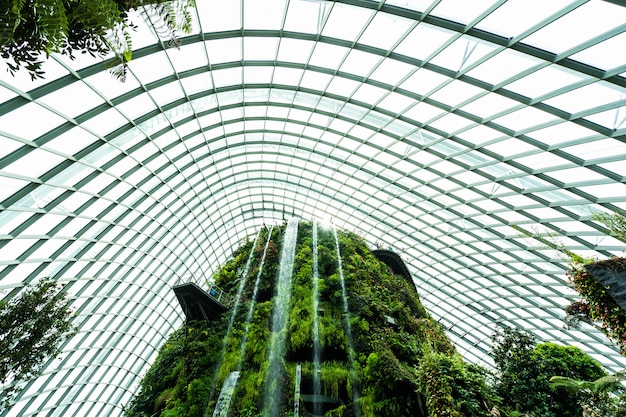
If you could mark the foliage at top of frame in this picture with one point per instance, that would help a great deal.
(33, 29)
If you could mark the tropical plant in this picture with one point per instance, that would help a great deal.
(607, 383)
(455, 388)
(33, 29)
(604, 397)
(33, 324)
(596, 304)
(614, 222)
(524, 369)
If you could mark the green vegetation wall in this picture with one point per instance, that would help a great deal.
(380, 353)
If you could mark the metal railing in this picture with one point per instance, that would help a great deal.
(219, 294)
(208, 286)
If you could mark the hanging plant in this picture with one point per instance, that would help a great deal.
(598, 305)
(31, 30)
(576, 312)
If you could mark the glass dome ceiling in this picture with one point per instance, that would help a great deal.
(439, 128)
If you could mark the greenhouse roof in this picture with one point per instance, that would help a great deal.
(450, 131)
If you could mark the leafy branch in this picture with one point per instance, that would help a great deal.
(31, 30)
(32, 326)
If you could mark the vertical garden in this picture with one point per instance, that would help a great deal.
(318, 326)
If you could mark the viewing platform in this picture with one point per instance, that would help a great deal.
(395, 262)
(200, 304)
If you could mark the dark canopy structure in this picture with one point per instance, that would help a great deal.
(449, 131)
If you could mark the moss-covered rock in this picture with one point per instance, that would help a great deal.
(372, 355)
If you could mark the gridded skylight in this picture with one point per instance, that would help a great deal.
(437, 128)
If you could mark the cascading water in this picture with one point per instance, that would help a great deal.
(296, 391)
(242, 283)
(273, 385)
(226, 394)
(317, 385)
(351, 332)
(255, 291)
(242, 347)
(235, 308)
(348, 328)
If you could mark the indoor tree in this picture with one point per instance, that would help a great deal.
(32, 326)
(524, 369)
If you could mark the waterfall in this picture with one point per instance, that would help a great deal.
(348, 328)
(242, 283)
(296, 394)
(273, 385)
(245, 335)
(233, 314)
(242, 347)
(226, 394)
(317, 385)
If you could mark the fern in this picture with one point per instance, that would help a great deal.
(616, 223)
(606, 383)
(31, 28)
(102, 14)
(52, 23)
(10, 19)
(169, 18)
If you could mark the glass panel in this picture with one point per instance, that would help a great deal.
(359, 63)
(587, 97)
(525, 119)
(259, 49)
(261, 15)
(419, 5)
(490, 105)
(463, 53)
(577, 27)
(461, 11)
(151, 67)
(34, 164)
(456, 92)
(614, 119)
(72, 108)
(294, 50)
(342, 86)
(424, 81)
(423, 112)
(224, 50)
(225, 17)
(314, 80)
(562, 133)
(336, 26)
(451, 123)
(391, 71)
(546, 80)
(227, 77)
(607, 55)
(385, 30)
(369, 94)
(515, 17)
(423, 40)
(17, 122)
(504, 66)
(328, 56)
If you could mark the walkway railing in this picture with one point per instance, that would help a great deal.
(219, 294)
(209, 286)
